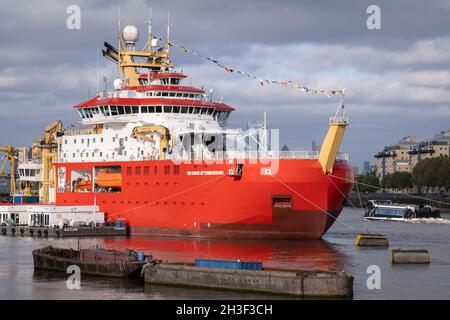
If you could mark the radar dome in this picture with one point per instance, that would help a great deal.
(130, 34)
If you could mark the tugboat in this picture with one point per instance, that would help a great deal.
(387, 210)
(96, 262)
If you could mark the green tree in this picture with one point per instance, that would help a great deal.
(432, 172)
(367, 183)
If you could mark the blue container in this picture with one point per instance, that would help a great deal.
(17, 199)
(140, 256)
(227, 264)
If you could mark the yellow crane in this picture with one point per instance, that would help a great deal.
(161, 131)
(49, 146)
(10, 155)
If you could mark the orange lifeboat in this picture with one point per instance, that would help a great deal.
(108, 179)
(83, 185)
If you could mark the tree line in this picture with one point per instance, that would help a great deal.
(428, 173)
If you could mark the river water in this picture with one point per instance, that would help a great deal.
(335, 251)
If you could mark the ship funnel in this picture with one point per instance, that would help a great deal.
(333, 139)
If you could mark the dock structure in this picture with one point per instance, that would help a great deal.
(371, 240)
(297, 283)
(39, 220)
(48, 232)
(416, 256)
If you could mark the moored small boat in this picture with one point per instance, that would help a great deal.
(97, 262)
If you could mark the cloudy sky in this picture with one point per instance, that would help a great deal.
(397, 78)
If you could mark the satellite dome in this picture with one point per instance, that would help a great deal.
(130, 34)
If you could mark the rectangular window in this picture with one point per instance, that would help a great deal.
(107, 113)
(137, 171)
(166, 170)
(129, 171)
(176, 170)
(114, 111)
(146, 170)
(155, 170)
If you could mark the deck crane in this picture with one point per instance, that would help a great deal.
(10, 155)
(49, 146)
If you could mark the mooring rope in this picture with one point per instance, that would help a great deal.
(312, 203)
(354, 206)
(393, 192)
(165, 198)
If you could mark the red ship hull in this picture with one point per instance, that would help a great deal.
(296, 201)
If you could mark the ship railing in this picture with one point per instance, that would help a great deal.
(80, 132)
(228, 155)
(339, 120)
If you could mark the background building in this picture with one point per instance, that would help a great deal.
(403, 156)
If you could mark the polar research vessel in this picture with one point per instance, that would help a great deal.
(158, 153)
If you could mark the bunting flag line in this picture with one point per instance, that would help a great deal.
(262, 82)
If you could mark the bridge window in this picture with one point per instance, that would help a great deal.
(151, 109)
(114, 111)
(172, 94)
(144, 109)
(164, 94)
(167, 109)
(210, 111)
(175, 81)
(204, 110)
(184, 109)
(197, 110)
(179, 95)
(120, 110)
(135, 109)
(127, 109)
(158, 109)
(176, 109)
